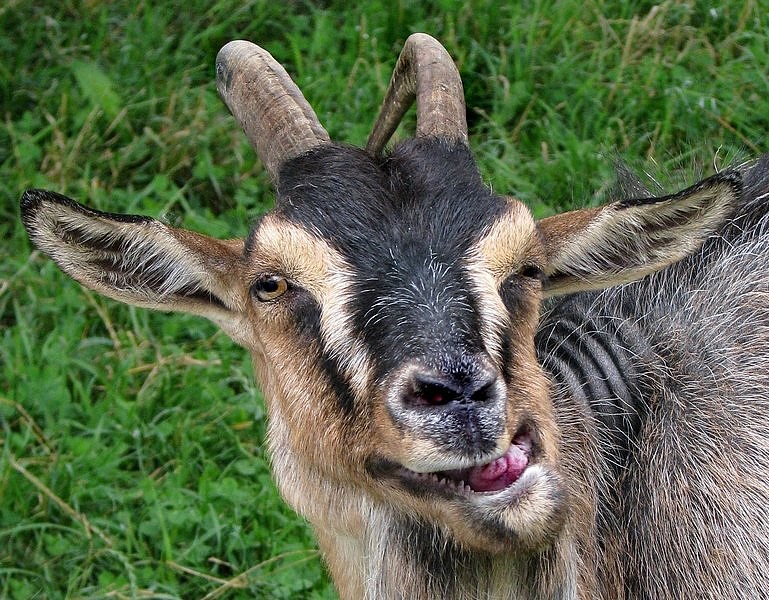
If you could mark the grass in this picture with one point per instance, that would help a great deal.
(132, 461)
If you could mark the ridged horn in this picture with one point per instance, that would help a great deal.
(425, 73)
(277, 120)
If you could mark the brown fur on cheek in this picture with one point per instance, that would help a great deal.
(316, 455)
(529, 388)
(316, 450)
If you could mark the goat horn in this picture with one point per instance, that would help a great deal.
(278, 121)
(424, 72)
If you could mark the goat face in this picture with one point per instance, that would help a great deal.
(390, 304)
(413, 295)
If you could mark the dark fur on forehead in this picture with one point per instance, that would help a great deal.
(429, 189)
(404, 223)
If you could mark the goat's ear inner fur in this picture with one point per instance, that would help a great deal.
(623, 241)
(137, 260)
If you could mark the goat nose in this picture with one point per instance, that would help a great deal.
(426, 388)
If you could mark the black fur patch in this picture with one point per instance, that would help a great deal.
(598, 360)
(307, 313)
(430, 551)
(403, 222)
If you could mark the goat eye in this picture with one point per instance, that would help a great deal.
(532, 272)
(269, 288)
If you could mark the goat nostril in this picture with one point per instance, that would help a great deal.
(427, 390)
(435, 395)
(486, 390)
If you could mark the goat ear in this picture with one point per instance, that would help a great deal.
(623, 241)
(137, 260)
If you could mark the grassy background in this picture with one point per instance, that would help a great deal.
(132, 459)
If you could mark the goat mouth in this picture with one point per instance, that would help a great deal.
(487, 478)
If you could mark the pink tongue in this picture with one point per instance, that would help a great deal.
(499, 474)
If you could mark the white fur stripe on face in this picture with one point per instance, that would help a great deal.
(507, 241)
(493, 314)
(494, 257)
(321, 270)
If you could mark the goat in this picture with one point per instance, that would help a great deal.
(463, 401)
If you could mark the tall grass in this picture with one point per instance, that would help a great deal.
(132, 461)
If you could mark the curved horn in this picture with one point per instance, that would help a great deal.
(278, 121)
(424, 72)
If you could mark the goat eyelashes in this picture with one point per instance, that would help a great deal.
(500, 407)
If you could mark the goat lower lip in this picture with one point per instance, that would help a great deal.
(494, 476)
